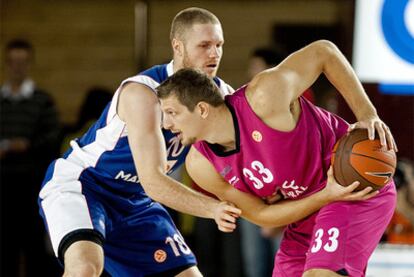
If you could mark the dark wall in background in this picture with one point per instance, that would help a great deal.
(396, 111)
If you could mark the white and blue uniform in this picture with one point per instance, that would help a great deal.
(95, 189)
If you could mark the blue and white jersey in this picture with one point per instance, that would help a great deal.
(102, 160)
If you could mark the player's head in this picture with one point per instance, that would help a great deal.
(197, 40)
(187, 98)
(18, 54)
(262, 59)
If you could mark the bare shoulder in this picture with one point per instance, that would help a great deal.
(136, 90)
(269, 91)
(199, 168)
(203, 173)
(195, 160)
(136, 97)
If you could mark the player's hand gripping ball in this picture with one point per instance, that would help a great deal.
(356, 158)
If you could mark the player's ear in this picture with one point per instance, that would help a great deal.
(203, 108)
(177, 46)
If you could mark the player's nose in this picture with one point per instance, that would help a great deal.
(214, 52)
(166, 123)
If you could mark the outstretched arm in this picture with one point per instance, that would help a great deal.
(149, 153)
(299, 71)
(253, 208)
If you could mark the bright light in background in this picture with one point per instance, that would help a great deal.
(384, 44)
(409, 17)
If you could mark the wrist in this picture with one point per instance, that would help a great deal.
(212, 208)
(324, 196)
(366, 114)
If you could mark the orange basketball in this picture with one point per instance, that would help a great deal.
(356, 158)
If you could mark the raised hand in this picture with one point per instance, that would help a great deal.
(375, 124)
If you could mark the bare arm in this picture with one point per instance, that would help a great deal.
(253, 208)
(149, 153)
(299, 71)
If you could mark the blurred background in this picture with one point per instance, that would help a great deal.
(81, 46)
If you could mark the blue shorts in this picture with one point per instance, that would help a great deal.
(139, 236)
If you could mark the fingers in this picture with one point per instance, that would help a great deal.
(356, 125)
(379, 127)
(330, 171)
(390, 139)
(364, 194)
(228, 218)
(385, 136)
(331, 177)
(227, 223)
(232, 210)
(351, 187)
(364, 124)
(370, 195)
(371, 130)
(368, 125)
(394, 145)
(226, 227)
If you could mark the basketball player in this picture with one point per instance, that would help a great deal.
(266, 139)
(95, 204)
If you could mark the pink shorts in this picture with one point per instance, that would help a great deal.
(340, 237)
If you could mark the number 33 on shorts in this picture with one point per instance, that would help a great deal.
(330, 238)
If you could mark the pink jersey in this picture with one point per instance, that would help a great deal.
(267, 161)
(342, 235)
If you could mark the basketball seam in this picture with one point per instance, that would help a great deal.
(362, 155)
(363, 177)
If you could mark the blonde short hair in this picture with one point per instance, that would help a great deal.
(187, 18)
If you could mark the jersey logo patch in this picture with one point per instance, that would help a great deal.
(225, 170)
(257, 136)
(160, 256)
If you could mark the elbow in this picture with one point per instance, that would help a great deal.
(325, 45)
(327, 53)
(325, 49)
(149, 183)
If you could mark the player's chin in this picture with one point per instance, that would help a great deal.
(188, 141)
(211, 71)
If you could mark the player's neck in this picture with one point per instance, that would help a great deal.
(175, 65)
(221, 130)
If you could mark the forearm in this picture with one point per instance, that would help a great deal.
(286, 211)
(340, 73)
(179, 197)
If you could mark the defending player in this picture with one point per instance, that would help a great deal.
(266, 139)
(95, 204)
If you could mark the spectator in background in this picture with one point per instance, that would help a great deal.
(96, 100)
(401, 227)
(29, 131)
(259, 245)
